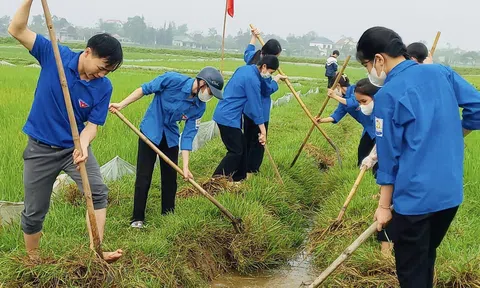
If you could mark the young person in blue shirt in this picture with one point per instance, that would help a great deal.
(269, 85)
(177, 98)
(420, 147)
(50, 147)
(348, 104)
(244, 87)
(419, 53)
(331, 67)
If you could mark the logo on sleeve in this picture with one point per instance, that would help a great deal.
(197, 123)
(83, 104)
(378, 127)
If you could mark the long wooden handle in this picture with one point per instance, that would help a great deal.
(351, 194)
(73, 127)
(305, 140)
(345, 254)
(236, 222)
(337, 79)
(275, 168)
(295, 94)
(435, 42)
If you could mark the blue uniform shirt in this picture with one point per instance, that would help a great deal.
(352, 108)
(419, 135)
(268, 87)
(242, 87)
(170, 104)
(48, 117)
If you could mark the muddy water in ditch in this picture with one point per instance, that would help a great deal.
(298, 273)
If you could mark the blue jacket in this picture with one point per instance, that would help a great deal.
(268, 87)
(48, 118)
(170, 104)
(242, 87)
(331, 67)
(419, 135)
(353, 108)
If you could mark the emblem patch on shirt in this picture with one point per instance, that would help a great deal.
(197, 123)
(378, 127)
(83, 104)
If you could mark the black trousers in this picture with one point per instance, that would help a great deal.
(364, 148)
(234, 163)
(146, 158)
(416, 239)
(255, 150)
(331, 80)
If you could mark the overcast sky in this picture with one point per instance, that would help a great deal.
(413, 19)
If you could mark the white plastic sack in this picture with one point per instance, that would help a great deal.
(116, 169)
(111, 171)
(10, 212)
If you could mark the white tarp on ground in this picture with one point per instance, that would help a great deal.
(111, 171)
(10, 212)
(116, 169)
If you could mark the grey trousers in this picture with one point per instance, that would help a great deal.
(42, 165)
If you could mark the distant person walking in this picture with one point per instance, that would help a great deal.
(331, 68)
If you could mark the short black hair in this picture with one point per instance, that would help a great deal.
(335, 52)
(365, 87)
(378, 40)
(418, 50)
(106, 46)
(270, 60)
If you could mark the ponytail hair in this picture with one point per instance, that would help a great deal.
(272, 47)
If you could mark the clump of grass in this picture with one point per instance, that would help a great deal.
(324, 160)
(214, 186)
(72, 195)
(80, 270)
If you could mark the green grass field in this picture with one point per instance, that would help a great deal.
(197, 243)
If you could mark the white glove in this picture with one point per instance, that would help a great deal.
(370, 161)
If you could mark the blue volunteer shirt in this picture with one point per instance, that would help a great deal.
(353, 108)
(170, 104)
(48, 118)
(267, 88)
(242, 87)
(419, 135)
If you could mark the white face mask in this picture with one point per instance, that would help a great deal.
(266, 75)
(204, 96)
(374, 78)
(367, 109)
(338, 92)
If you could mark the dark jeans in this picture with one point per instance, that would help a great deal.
(255, 150)
(364, 148)
(331, 80)
(146, 159)
(416, 239)
(234, 163)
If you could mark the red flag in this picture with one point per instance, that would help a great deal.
(230, 8)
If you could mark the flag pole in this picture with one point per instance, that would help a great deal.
(223, 36)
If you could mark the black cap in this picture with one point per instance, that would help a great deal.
(214, 80)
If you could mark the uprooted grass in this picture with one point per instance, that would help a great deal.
(214, 186)
(324, 160)
(458, 260)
